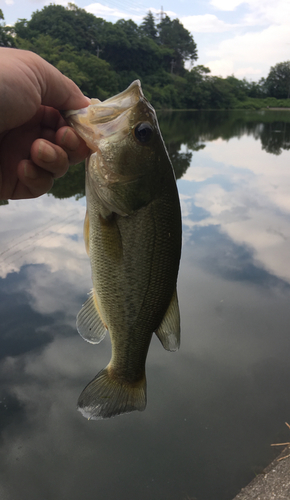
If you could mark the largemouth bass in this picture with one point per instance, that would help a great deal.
(132, 233)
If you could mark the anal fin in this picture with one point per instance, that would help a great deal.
(89, 323)
(169, 330)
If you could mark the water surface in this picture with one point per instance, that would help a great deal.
(214, 407)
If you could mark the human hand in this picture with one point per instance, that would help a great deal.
(36, 145)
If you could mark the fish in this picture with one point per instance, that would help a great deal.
(132, 233)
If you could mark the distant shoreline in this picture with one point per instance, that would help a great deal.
(222, 109)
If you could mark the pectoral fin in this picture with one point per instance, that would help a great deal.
(169, 330)
(89, 323)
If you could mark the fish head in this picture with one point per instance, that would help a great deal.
(128, 156)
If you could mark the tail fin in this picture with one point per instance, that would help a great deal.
(107, 396)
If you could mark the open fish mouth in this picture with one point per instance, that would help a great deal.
(109, 119)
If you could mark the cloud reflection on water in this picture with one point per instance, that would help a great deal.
(253, 210)
(214, 407)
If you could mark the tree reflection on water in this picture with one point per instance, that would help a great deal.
(192, 129)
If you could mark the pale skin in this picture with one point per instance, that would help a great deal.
(36, 145)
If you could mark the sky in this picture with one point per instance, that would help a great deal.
(233, 37)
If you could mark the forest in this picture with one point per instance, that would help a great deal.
(103, 58)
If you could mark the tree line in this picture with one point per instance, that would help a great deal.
(103, 58)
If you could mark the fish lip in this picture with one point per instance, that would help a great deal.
(118, 104)
(108, 119)
(74, 112)
(98, 113)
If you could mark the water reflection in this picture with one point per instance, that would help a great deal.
(245, 196)
(215, 408)
(272, 128)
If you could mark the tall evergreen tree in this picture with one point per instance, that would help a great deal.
(173, 35)
(148, 27)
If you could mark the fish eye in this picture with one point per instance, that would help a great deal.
(143, 132)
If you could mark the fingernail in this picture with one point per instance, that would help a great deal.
(46, 152)
(30, 171)
(70, 140)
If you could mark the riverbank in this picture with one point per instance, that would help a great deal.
(273, 483)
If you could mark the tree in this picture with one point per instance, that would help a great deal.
(101, 81)
(148, 27)
(278, 81)
(256, 89)
(275, 142)
(173, 35)
(239, 87)
(71, 184)
(221, 93)
(72, 71)
(70, 25)
(197, 94)
(127, 49)
(6, 39)
(93, 75)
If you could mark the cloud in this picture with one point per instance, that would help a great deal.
(259, 11)
(169, 13)
(64, 3)
(268, 11)
(207, 23)
(136, 14)
(248, 72)
(46, 252)
(226, 4)
(226, 67)
(52, 237)
(221, 67)
(258, 50)
(100, 10)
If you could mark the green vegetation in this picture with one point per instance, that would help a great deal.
(6, 40)
(72, 184)
(267, 102)
(104, 58)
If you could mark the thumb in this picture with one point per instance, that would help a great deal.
(57, 90)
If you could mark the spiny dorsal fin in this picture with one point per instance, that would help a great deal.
(169, 330)
(89, 323)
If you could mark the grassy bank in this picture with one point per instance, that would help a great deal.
(268, 102)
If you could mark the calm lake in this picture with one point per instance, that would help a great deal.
(215, 406)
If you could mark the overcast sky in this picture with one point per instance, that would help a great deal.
(244, 38)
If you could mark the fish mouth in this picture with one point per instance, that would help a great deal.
(108, 119)
(105, 127)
